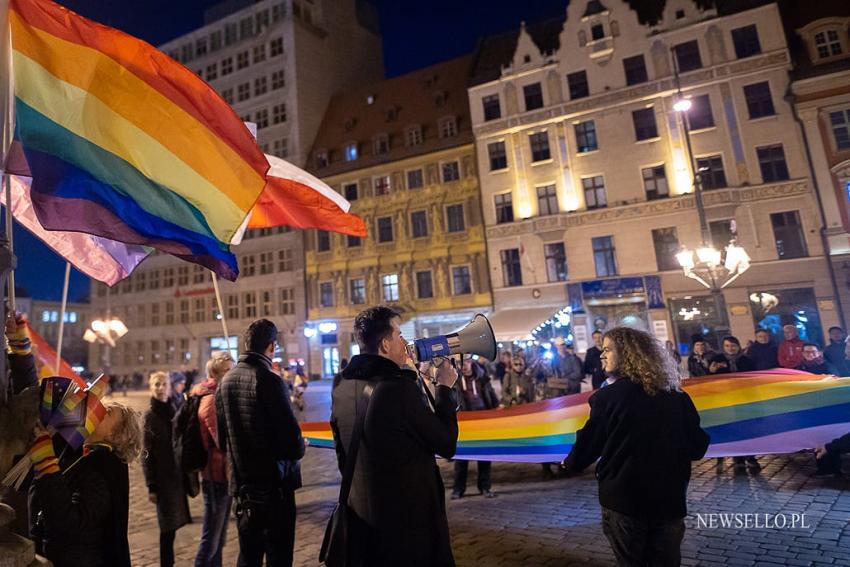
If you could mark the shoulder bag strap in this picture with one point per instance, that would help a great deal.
(354, 446)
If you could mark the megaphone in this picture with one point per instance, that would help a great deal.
(475, 338)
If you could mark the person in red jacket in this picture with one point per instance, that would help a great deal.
(791, 349)
(217, 499)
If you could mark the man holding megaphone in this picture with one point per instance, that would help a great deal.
(386, 438)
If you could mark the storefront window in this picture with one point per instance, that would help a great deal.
(695, 317)
(772, 309)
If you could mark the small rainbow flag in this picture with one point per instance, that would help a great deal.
(93, 412)
(753, 413)
(124, 143)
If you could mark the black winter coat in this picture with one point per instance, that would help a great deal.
(764, 357)
(397, 491)
(593, 366)
(742, 363)
(162, 475)
(257, 428)
(645, 445)
(82, 513)
(698, 365)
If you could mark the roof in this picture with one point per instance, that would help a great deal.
(795, 15)
(421, 97)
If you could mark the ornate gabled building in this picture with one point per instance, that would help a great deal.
(402, 152)
(587, 181)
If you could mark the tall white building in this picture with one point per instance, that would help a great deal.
(277, 63)
(587, 183)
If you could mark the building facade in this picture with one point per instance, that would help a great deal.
(587, 182)
(277, 63)
(44, 316)
(401, 151)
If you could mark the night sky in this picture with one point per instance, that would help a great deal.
(415, 34)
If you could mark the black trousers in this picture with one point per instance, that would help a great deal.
(266, 529)
(640, 543)
(462, 471)
(166, 548)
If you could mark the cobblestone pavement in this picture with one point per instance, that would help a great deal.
(557, 522)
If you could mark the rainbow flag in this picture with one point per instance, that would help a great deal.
(127, 144)
(93, 412)
(753, 413)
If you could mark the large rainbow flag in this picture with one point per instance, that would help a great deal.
(125, 143)
(755, 413)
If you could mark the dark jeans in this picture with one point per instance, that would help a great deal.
(639, 543)
(461, 472)
(266, 528)
(166, 548)
(217, 502)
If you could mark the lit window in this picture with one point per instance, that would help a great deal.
(390, 287)
(351, 152)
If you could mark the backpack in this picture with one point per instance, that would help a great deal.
(186, 438)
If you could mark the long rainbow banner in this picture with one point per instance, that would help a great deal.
(756, 413)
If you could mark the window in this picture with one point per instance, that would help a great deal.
(259, 53)
(266, 263)
(666, 244)
(350, 152)
(353, 241)
(141, 315)
(504, 207)
(278, 80)
(385, 229)
(498, 157)
(577, 84)
(243, 92)
(226, 66)
(200, 274)
(687, 56)
(492, 109)
(230, 34)
(451, 171)
(262, 119)
(184, 311)
(326, 294)
(169, 313)
(419, 224)
(746, 40)
(215, 40)
(789, 236)
(635, 69)
(168, 277)
(284, 260)
(655, 182)
(448, 127)
(357, 291)
(266, 307)
(349, 191)
(722, 232)
(547, 200)
(413, 135)
(840, 122)
(700, 116)
(280, 148)
(594, 192)
(597, 31)
(286, 301)
(182, 275)
(424, 285)
(242, 60)
(246, 28)
(212, 72)
(278, 12)
(454, 218)
(556, 261)
(828, 43)
(279, 113)
(772, 163)
(511, 269)
(248, 266)
(586, 136)
(323, 240)
(604, 256)
(261, 86)
(262, 20)
(276, 47)
(381, 144)
(759, 102)
(154, 280)
(381, 185)
(227, 95)
(710, 171)
(200, 310)
(141, 281)
(533, 96)
(539, 146)
(644, 122)
(461, 281)
(415, 179)
(389, 283)
(186, 53)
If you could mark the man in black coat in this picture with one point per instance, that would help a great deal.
(764, 353)
(262, 437)
(592, 364)
(397, 495)
(732, 359)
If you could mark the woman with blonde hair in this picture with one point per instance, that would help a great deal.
(645, 432)
(78, 516)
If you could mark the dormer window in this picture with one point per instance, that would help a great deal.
(828, 44)
(526, 58)
(413, 135)
(680, 14)
(321, 159)
(381, 144)
(448, 127)
(597, 32)
(350, 151)
(826, 39)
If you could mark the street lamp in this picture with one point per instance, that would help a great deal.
(711, 267)
(105, 331)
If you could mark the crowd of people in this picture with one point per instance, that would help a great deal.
(389, 420)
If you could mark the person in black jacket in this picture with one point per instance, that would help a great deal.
(397, 497)
(699, 359)
(260, 433)
(813, 361)
(731, 359)
(828, 457)
(165, 481)
(78, 516)
(475, 394)
(645, 432)
(592, 363)
(764, 353)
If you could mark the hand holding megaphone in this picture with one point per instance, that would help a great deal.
(446, 373)
(475, 338)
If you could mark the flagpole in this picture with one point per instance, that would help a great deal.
(62, 316)
(221, 310)
(7, 186)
